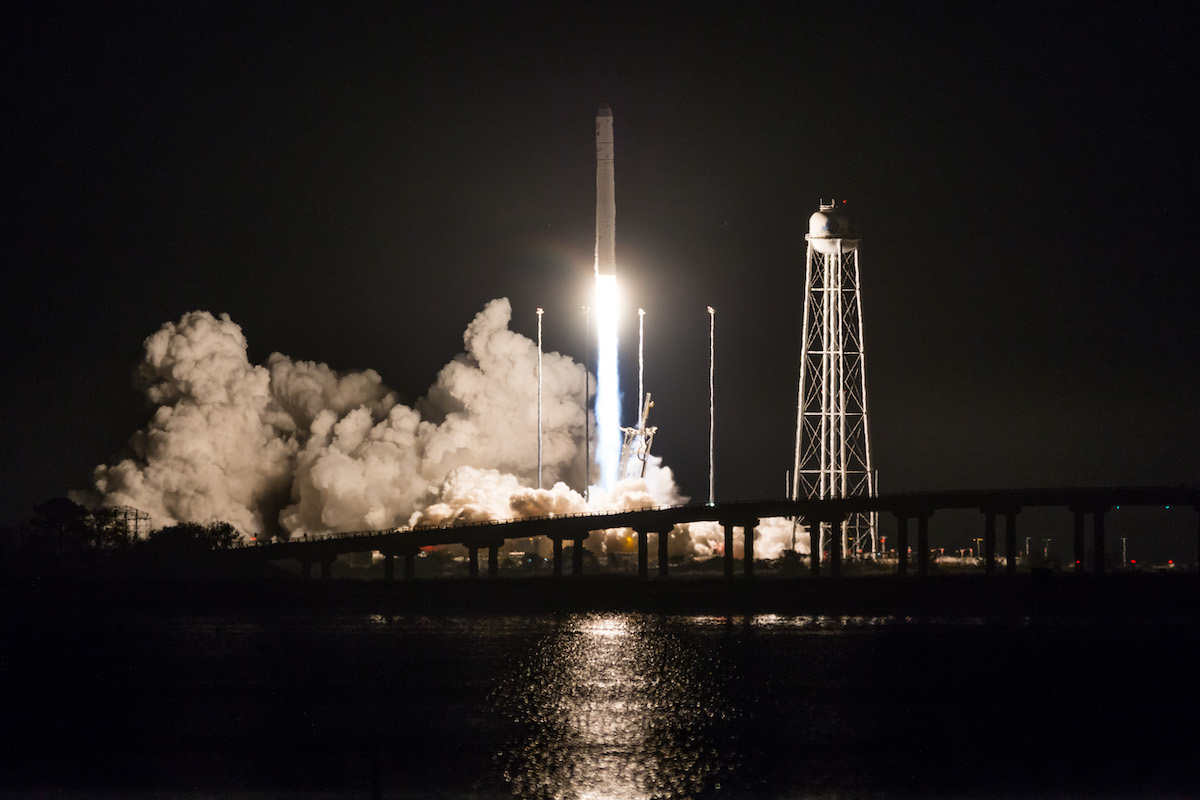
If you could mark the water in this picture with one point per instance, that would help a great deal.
(591, 705)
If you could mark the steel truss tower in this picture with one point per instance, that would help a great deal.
(833, 443)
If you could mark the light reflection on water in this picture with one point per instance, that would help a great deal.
(614, 707)
(577, 706)
(818, 622)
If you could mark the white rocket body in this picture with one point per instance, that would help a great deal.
(606, 195)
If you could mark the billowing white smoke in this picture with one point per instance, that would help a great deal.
(774, 536)
(293, 447)
(220, 447)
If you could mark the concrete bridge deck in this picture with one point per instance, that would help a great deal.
(490, 535)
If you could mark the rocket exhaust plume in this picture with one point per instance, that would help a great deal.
(608, 392)
(608, 388)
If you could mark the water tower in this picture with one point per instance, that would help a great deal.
(833, 442)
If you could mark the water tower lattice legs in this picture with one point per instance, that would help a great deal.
(833, 446)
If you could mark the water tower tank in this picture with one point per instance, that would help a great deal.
(832, 225)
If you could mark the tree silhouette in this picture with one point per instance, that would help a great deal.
(193, 537)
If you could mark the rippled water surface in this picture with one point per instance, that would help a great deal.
(615, 706)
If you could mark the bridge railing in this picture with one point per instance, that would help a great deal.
(899, 503)
(481, 523)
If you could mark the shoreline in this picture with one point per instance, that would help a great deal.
(1138, 597)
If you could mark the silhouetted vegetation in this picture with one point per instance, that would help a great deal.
(191, 537)
(66, 539)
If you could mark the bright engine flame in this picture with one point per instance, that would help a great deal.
(608, 383)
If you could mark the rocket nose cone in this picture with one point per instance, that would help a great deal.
(604, 111)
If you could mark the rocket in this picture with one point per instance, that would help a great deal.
(606, 195)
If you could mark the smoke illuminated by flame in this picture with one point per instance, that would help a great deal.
(608, 388)
(290, 448)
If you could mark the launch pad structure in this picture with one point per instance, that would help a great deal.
(833, 443)
(635, 449)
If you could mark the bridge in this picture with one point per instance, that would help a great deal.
(918, 507)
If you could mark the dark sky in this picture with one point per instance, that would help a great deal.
(352, 182)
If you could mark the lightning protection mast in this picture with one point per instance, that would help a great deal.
(833, 443)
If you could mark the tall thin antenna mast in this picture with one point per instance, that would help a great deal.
(641, 359)
(539, 377)
(711, 407)
(587, 390)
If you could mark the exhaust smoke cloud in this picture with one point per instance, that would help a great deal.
(294, 447)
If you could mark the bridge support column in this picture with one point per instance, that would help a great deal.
(577, 558)
(728, 528)
(1078, 539)
(558, 557)
(493, 561)
(410, 565)
(1098, 538)
(1010, 542)
(327, 567)
(989, 542)
(473, 561)
(664, 566)
(923, 545)
(902, 544)
(747, 525)
(834, 523)
(643, 554)
(748, 546)
(389, 568)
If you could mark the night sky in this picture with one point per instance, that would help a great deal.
(352, 182)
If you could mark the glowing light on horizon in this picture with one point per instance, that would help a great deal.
(608, 386)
